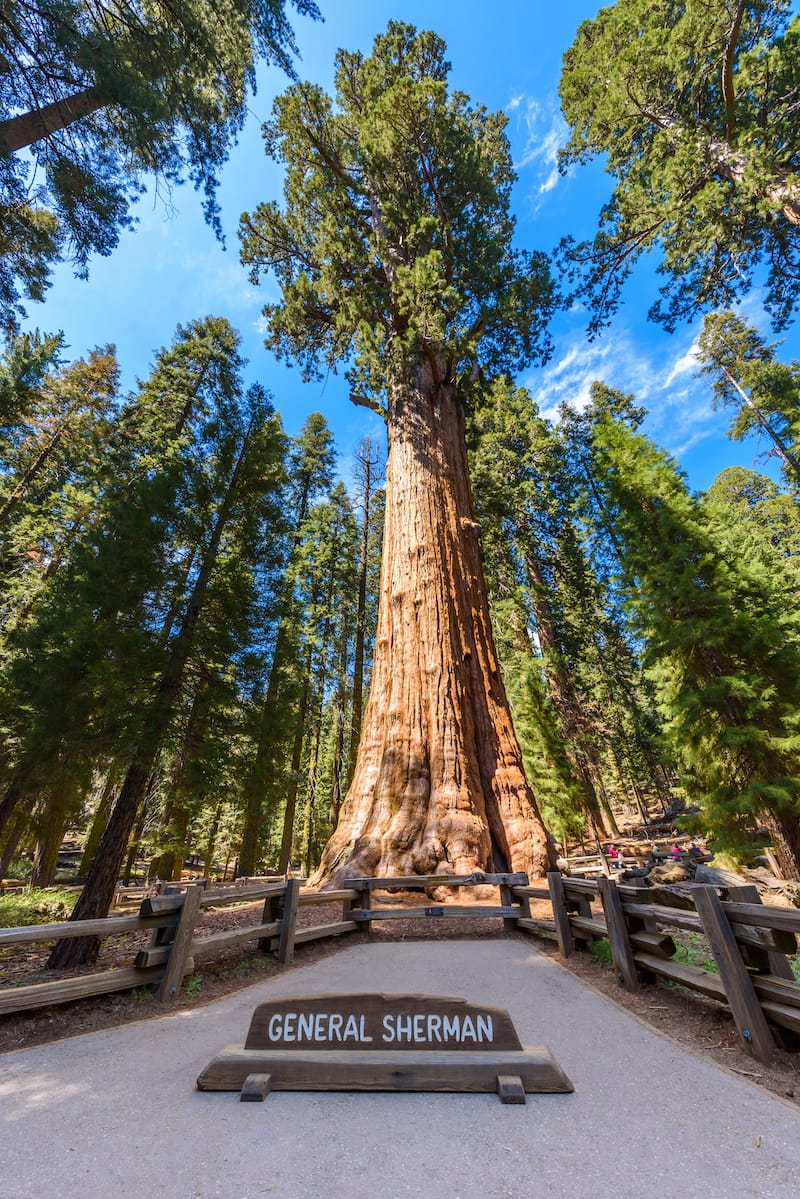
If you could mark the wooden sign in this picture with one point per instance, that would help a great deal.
(377, 1042)
(378, 1022)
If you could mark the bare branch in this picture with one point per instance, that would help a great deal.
(367, 402)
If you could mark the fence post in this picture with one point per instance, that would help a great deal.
(363, 903)
(560, 914)
(621, 948)
(353, 905)
(524, 906)
(288, 922)
(742, 999)
(507, 900)
(181, 944)
(773, 961)
(269, 915)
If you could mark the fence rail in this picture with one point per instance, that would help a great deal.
(173, 919)
(748, 940)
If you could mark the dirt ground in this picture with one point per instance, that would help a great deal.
(701, 1025)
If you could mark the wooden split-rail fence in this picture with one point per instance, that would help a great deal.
(751, 943)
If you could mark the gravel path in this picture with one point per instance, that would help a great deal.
(116, 1113)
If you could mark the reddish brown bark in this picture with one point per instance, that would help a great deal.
(784, 829)
(23, 130)
(439, 784)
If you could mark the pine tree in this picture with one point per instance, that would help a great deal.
(368, 472)
(693, 108)
(583, 699)
(763, 392)
(721, 644)
(52, 460)
(310, 469)
(242, 464)
(770, 515)
(97, 94)
(326, 580)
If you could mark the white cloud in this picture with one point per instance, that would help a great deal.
(550, 182)
(222, 284)
(702, 435)
(543, 132)
(678, 416)
(687, 362)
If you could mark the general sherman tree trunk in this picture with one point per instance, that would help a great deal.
(439, 784)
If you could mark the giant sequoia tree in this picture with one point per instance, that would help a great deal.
(694, 106)
(393, 251)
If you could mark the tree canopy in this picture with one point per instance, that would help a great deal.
(747, 376)
(395, 238)
(101, 92)
(695, 107)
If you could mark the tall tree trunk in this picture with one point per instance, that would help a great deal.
(135, 843)
(269, 734)
(291, 793)
(604, 802)
(179, 832)
(337, 789)
(12, 841)
(160, 867)
(311, 793)
(99, 822)
(439, 784)
(368, 465)
(316, 728)
(211, 844)
(572, 722)
(98, 892)
(48, 843)
(268, 741)
(18, 132)
(316, 736)
(783, 451)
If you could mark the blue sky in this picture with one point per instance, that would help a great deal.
(505, 55)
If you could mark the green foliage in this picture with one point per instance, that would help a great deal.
(720, 637)
(20, 868)
(768, 518)
(694, 950)
(37, 905)
(193, 986)
(581, 710)
(395, 238)
(601, 951)
(141, 634)
(51, 454)
(27, 359)
(103, 92)
(693, 107)
(763, 392)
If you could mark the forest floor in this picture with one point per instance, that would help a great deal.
(700, 1025)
